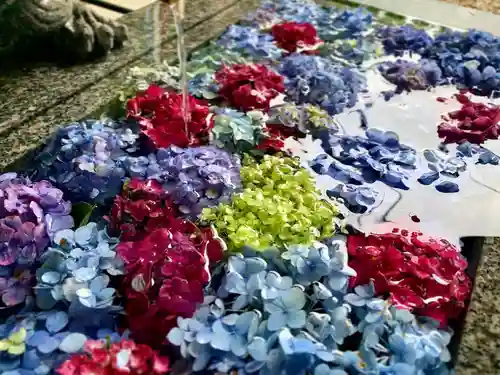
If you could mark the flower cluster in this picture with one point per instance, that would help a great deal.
(408, 75)
(293, 36)
(293, 313)
(427, 275)
(36, 343)
(377, 156)
(470, 58)
(212, 57)
(250, 86)
(353, 22)
(315, 80)
(75, 270)
(250, 41)
(84, 159)
(142, 207)
(236, 131)
(194, 178)
(161, 117)
(101, 358)
(165, 275)
(279, 204)
(473, 122)
(357, 50)
(300, 119)
(30, 214)
(399, 39)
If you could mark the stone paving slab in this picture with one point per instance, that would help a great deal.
(439, 12)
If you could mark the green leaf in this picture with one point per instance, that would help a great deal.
(81, 212)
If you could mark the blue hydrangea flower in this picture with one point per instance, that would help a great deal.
(85, 159)
(357, 199)
(203, 85)
(74, 269)
(354, 21)
(468, 58)
(195, 178)
(286, 309)
(316, 80)
(377, 156)
(399, 39)
(250, 41)
(245, 277)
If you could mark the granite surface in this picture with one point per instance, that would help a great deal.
(28, 91)
(35, 101)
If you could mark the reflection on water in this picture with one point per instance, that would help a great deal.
(414, 117)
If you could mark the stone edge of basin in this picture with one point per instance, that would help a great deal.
(439, 12)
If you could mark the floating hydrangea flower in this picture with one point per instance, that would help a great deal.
(142, 207)
(315, 80)
(84, 159)
(354, 21)
(116, 358)
(427, 275)
(473, 122)
(30, 214)
(160, 116)
(75, 270)
(399, 39)
(165, 276)
(236, 131)
(250, 86)
(357, 50)
(378, 156)
(293, 36)
(442, 165)
(212, 57)
(194, 178)
(409, 75)
(292, 313)
(469, 58)
(358, 199)
(37, 343)
(250, 41)
(301, 119)
(269, 211)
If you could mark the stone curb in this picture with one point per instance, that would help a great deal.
(440, 12)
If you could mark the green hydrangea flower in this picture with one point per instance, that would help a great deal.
(236, 131)
(279, 205)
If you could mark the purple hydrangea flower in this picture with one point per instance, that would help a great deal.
(399, 39)
(408, 75)
(315, 80)
(30, 214)
(195, 178)
(85, 159)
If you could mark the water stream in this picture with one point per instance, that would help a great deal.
(177, 9)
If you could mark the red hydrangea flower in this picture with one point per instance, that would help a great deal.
(273, 138)
(160, 116)
(249, 86)
(124, 357)
(427, 275)
(473, 122)
(166, 273)
(293, 36)
(142, 207)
